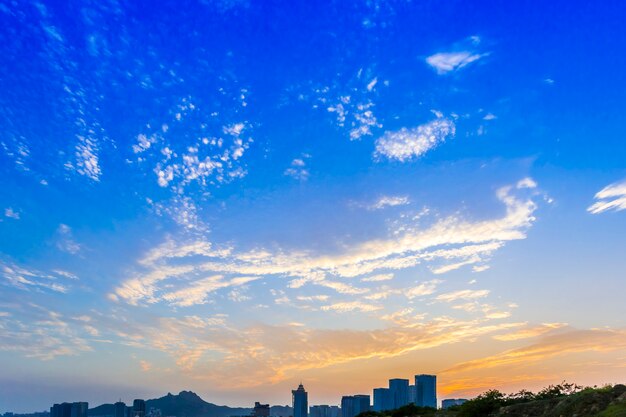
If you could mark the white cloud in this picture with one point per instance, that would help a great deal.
(490, 116)
(364, 121)
(298, 170)
(65, 240)
(610, 198)
(425, 288)
(87, 163)
(378, 278)
(12, 214)
(526, 183)
(405, 144)
(177, 266)
(462, 295)
(198, 292)
(389, 201)
(351, 306)
(372, 84)
(27, 279)
(445, 62)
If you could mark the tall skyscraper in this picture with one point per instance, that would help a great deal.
(412, 394)
(119, 409)
(353, 405)
(399, 392)
(300, 402)
(382, 399)
(139, 408)
(426, 390)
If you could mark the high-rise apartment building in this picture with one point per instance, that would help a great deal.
(119, 409)
(79, 409)
(300, 402)
(353, 405)
(324, 411)
(426, 390)
(382, 399)
(399, 392)
(139, 408)
(412, 394)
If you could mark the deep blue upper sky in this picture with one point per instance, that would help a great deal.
(204, 191)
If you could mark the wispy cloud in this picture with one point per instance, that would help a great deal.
(462, 295)
(598, 340)
(406, 144)
(529, 332)
(610, 198)
(452, 239)
(351, 306)
(65, 240)
(378, 278)
(389, 201)
(444, 62)
(29, 279)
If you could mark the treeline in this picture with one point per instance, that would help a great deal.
(490, 402)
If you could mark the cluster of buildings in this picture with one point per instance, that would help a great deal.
(399, 393)
(69, 410)
(120, 409)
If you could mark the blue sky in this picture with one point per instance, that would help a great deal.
(233, 196)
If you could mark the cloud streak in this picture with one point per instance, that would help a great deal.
(610, 198)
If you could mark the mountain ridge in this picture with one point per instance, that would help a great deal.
(189, 404)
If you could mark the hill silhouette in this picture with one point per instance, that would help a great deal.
(188, 404)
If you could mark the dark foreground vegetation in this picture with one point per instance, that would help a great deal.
(563, 400)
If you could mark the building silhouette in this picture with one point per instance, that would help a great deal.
(452, 402)
(399, 392)
(139, 408)
(78, 409)
(353, 405)
(382, 399)
(412, 394)
(426, 390)
(300, 402)
(261, 410)
(119, 409)
(324, 411)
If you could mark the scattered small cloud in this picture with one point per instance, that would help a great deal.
(12, 214)
(389, 201)
(298, 169)
(405, 144)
